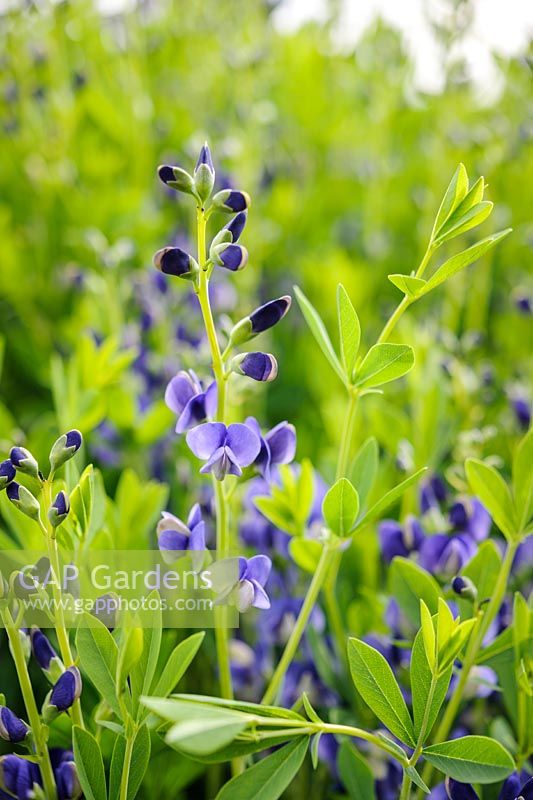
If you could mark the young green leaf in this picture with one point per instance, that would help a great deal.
(455, 194)
(471, 759)
(375, 682)
(483, 570)
(411, 773)
(463, 259)
(178, 663)
(475, 215)
(340, 507)
(318, 329)
(523, 479)
(355, 773)
(140, 758)
(428, 635)
(421, 676)
(407, 284)
(388, 499)
(89, 764)
(365, 468)
(489, 486)
(268, 779)
(98, 653)
(409, 584)
(383, 363)
(349, 331)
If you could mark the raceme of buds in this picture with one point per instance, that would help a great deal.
(7, 473)
(64, 448)
(231, 201)
(464, 587)
(230, 256)
(258, 366)
(23, 460)
(66, 690)
(58, 511)
(12, 729)
(177, 178)
(204, 174)
(23, 499)
(174, 261)
(45, 655)
(263, 318)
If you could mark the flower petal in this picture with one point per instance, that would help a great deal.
(282, 443)
(179, 391)
(211, 397)
(261, 599)
(197, 537)
(173, 540)
(258, 569)
(244, 443)
(244, 595)
(207, 438)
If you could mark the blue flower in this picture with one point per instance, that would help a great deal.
(225, 450)
(45, 655)
(400, 540)
(432, 494)
(65, 773)
(464, 587)
(12, 729)
(18, 775)
(258, 366)
(231, 200)
(302, 676)
(260, 320)
(445, 555)
(460, 791)
(7, 473)
(175, 537)
(470, 516)
(240, 581)
(66, 690)
(278, 446)
(186, 396)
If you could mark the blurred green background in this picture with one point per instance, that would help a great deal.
(346, 161)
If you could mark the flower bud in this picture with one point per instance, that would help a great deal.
(231, 200)
(58, 511)
(19, 776)
(231, 256)
(45, 655)
(23, 460)
(260, 320)
(464, 588)
(68, 783)
(64, 448)
(259, 366)
(174, 261)
(176, 178)
(204, 174)
(23, 499)
(12, 729)
(236, 226)
(66, 690)
(7, 473)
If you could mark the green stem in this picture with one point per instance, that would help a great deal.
(346, 436)
(34, 719)
(326, 559)
(406, 787)
(59, 616)
(125, 779)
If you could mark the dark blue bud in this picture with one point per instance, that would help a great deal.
(65, 448)
(67, 781)
(231, 200)
(23, 499)
(59, 509)
(460, 791)
(236, 226)
(464, 588)
(23, 460)
(64, 694)
(174, 261)
(7, 473)
(12, 729)
(18, 775)
(204, 174)
(42, 650)
(269, 314)
(205, 158)
(524, 304)
(258, 366)
(176, 178)
(231, 256)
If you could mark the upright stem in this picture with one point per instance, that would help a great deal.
(34, 719)
(406, 787)
(125, 779)
(59, 616)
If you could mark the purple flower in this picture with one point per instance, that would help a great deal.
(174, 261)
(236, 226)
(66, 690)
(245, 588)
(23, 460)
(302, 676)
(231, 200)
(67, 781)
(460, 791)
(12, 729)
(44, 653)
(482, 682)
(58, 511)
(445, 555)
(65, 448)
(513, 789)
(278, 446)
(18, 775)
(225, 450)
(471, 517)
(258, 366)
(275, 626)
(7, 473)
(175, 537)
(263, 318)
(186, 396)
(230, 256)
(400, 540)
(522, 410)
(432, 493)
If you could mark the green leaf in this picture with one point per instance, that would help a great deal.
(89, 764)
(130, 651)
(279, 516)
(365, 468)
(305, 552)
(140, 758)
(143, 673)
(428, 635)
(411, 773)
(376, 511)
(523, 479)
(420, 675)
(375, 682)
(407, 284)
(349, 331)
(98, 653)
(456, 225)
(471, 759)
(463, 259)
(340, 507)
(383, 363)
(242, 705)
(490, 487)
(355, 773)
(318, 329)
(410, 583)
(455, 194)
(268, 779)
(178, 663)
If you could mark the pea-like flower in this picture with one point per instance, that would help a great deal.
(236, 226)
(263, 318)
(23, 460)
(515, 789)
(23, 499)
(464, 587)
(66, 775)
(65, 448)
(186, 396)
(226, 450)
(12, 729)
(45, 655)
(258, 366)
(176, 537)
(230, 256)
(18, 776)
(231, 200)
(7, 473)
(278, 446)
(58, 511)
(446, 554)
(65, 692)
(400, 540)
(248, 588)
(175, 261)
